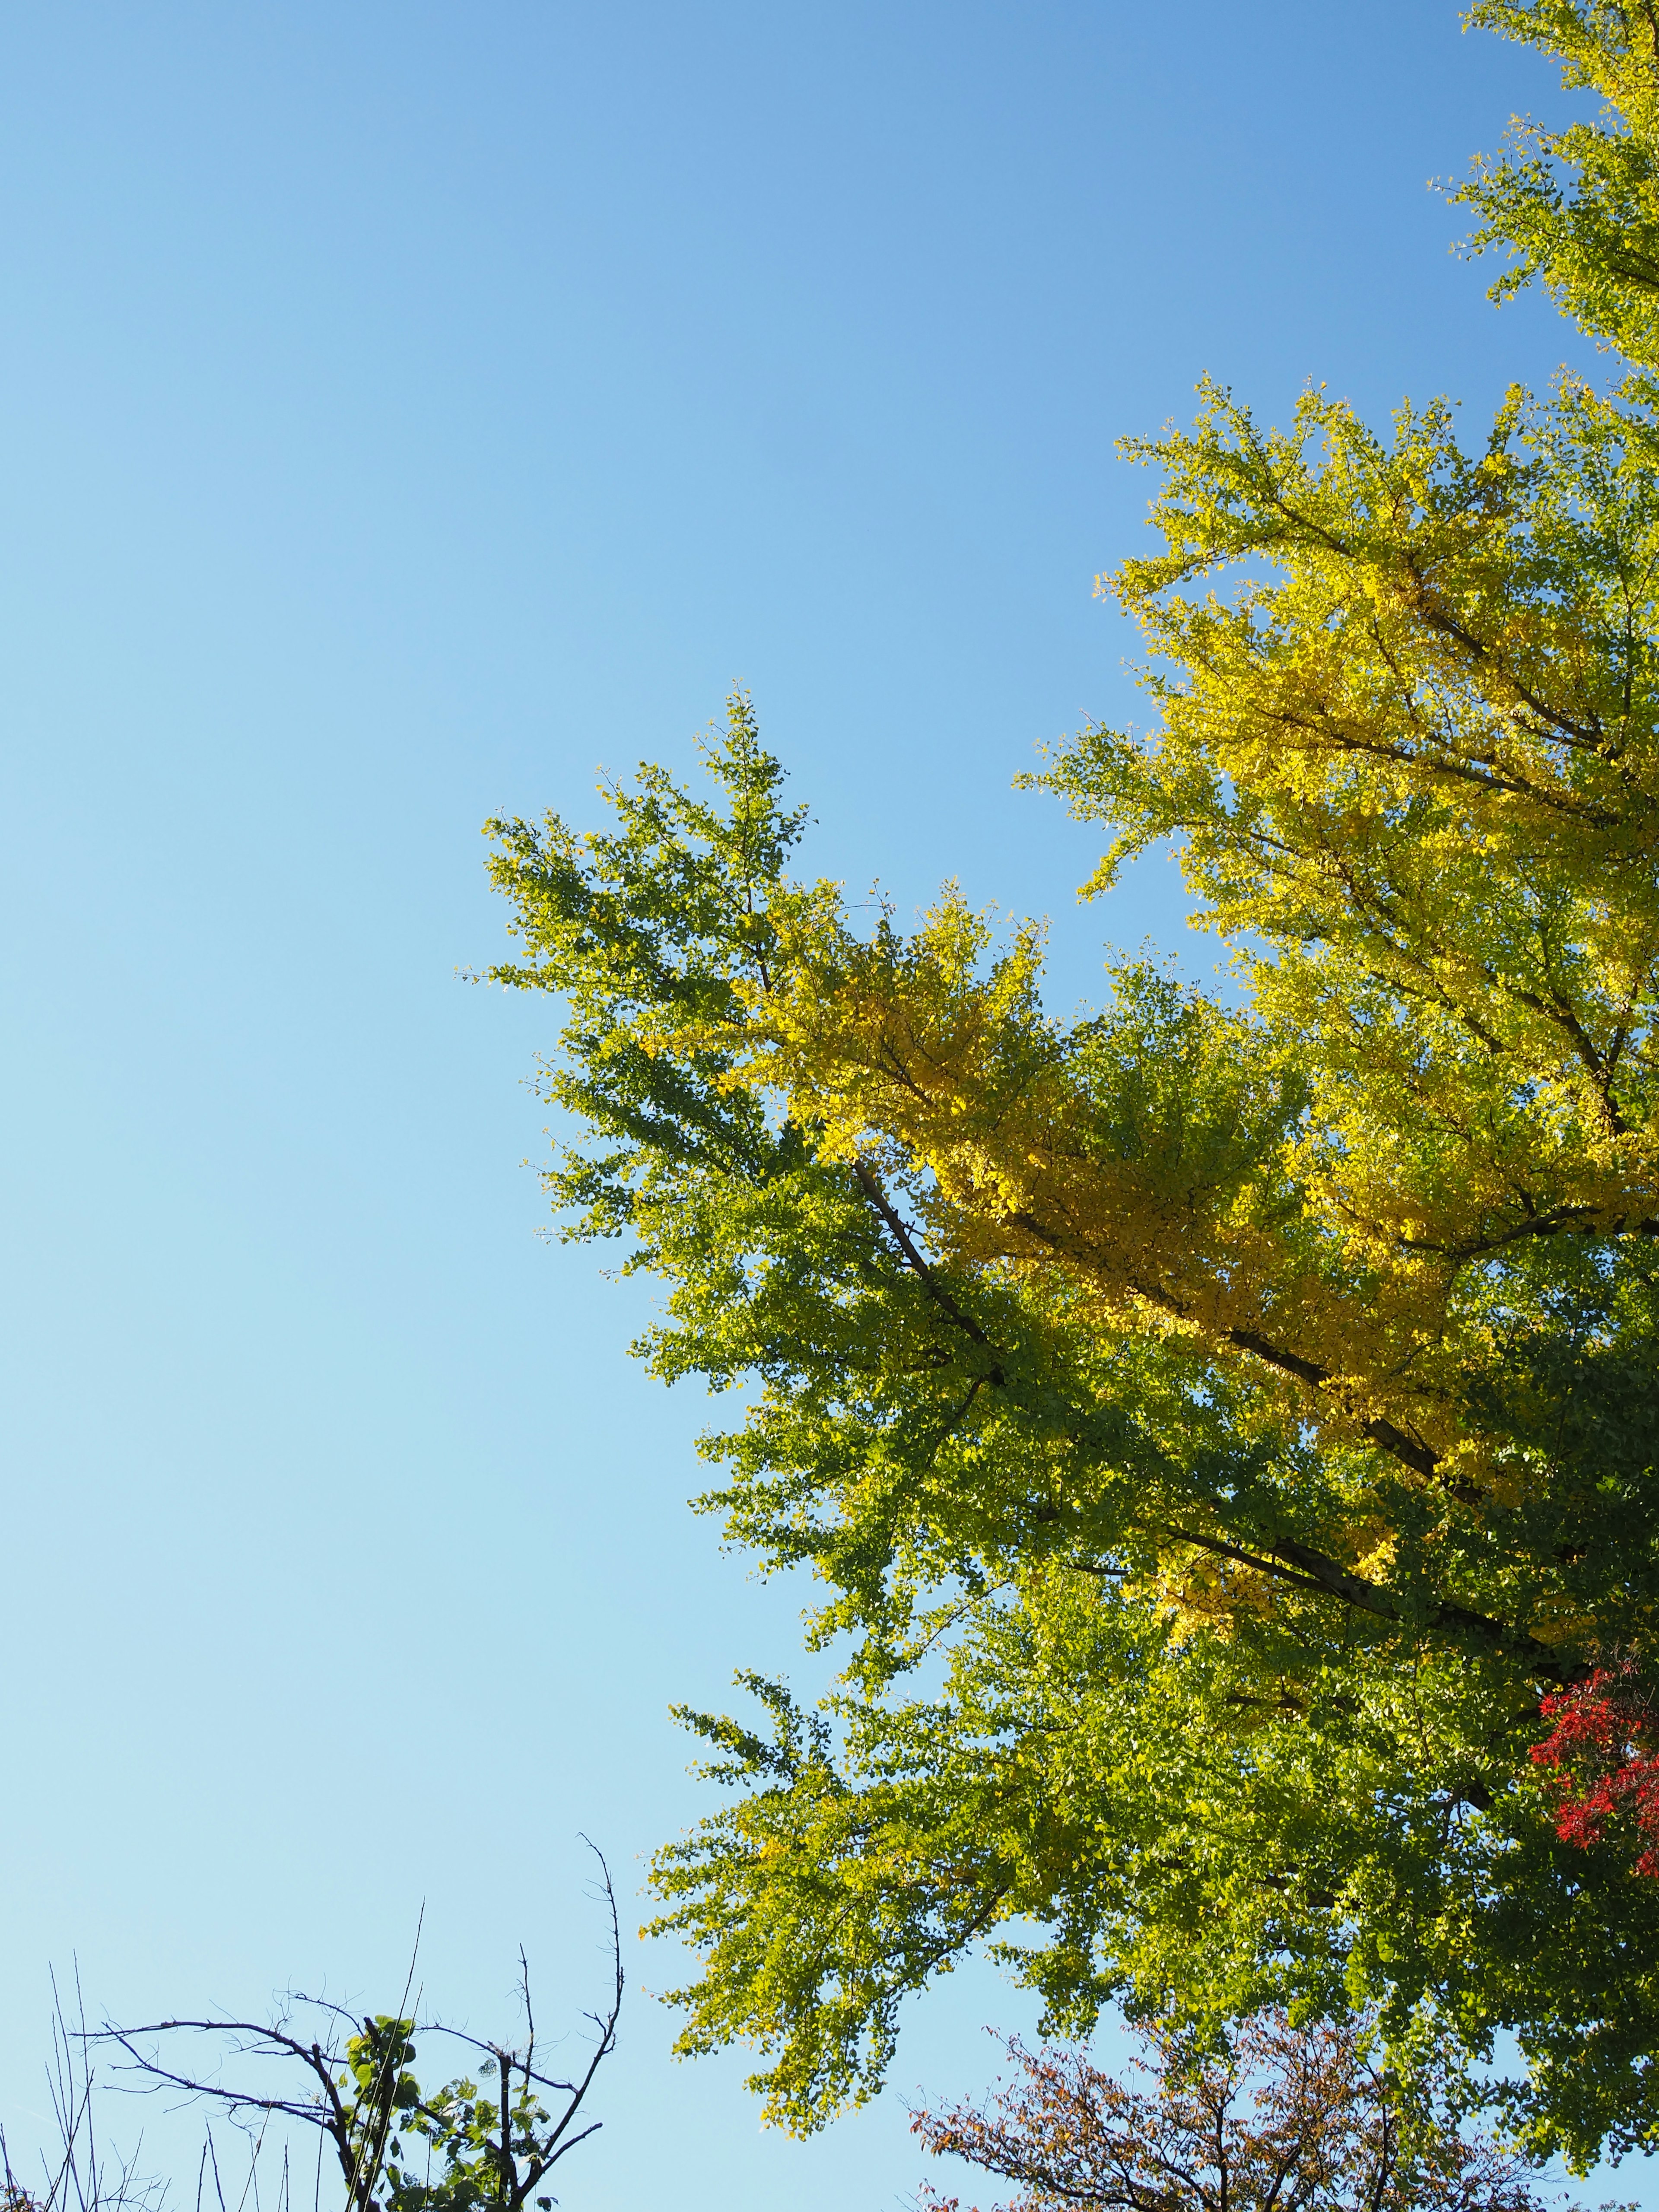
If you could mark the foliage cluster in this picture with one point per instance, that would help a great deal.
(1212, 1426)
(1285, 2120)
(1600, 1752)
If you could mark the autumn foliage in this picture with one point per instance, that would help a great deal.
(1209, 1425)
(1601, 1760)
(1285, 2120)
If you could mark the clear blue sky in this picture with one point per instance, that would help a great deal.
(408, 409)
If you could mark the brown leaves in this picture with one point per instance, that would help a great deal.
(1291, 2119)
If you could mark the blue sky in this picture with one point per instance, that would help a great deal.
(407, 411)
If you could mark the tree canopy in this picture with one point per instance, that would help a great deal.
(1215, 1424)
(1286, 2120)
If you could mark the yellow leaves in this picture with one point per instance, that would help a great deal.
(1578, 207)
(1404, 635)
(1558, 1620)
(1416, 767)
(1412, 765)
(1415, 782)
(1195, 1592)
(898, 1036)
(1376, 1546)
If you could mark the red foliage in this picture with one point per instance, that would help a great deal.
(1602, 1759)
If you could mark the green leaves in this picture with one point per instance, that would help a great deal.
(1232, 1702)
(646, 931)
(480, 2161)
(1208, 1431)
(1578, 208)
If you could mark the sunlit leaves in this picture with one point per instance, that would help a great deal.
(1210, 1427)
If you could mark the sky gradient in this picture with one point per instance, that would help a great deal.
(410, 410)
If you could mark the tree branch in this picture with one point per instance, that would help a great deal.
(870, 1185)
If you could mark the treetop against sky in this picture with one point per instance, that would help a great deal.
(1214, 1424)
(413, 407)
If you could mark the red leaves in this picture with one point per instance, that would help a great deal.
(1602, 1759)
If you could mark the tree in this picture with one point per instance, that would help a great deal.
(1578, 209)
(1216, 1425)
(396, 2147)
(1285, 2120)
(349, 2080)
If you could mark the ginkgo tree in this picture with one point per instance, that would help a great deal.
(1215, 1425)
